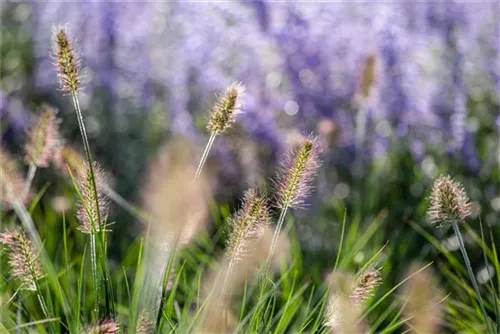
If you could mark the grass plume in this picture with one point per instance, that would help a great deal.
(296, 172)
(178, 207)
(89, 213)
(247, 224)
(12, 186)
(67, 62)
(23, 258)
(293, 183)
(43, 138)
(103, 327)
(422, 298)
(224, 113)
(449, 202)
(449, 205)
(342, 315)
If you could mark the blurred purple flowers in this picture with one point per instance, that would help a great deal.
(300, 62)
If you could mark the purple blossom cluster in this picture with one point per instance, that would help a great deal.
(301, 64)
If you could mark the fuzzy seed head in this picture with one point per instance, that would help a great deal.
(296, 173)
(176, 203)
(43, 138)
(368, 78)
(68, 63)
(342, 315)
(88, 212)
(423, 299)
(144, 324)
(69, 158)
(23, 259)
(365, 286)
(247, 225)
(103, 327)
(12, 182)
(226, 108)
(448, 202)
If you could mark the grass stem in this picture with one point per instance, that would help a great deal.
(281, 220)
(86, 145)
(29, 179)
(205, 155)
(471, 273)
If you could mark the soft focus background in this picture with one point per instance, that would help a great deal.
(426, 74)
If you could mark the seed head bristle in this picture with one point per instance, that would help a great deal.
(103, 327)
(87, 211)
(23, 258)
(365, 285)
(448, 202)
(43, 138)
(67, 61)
(247, 224)
(68, 157)
(12, 182)
(226, 108)
(296, 173)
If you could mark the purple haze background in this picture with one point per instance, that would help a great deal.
(301, 63)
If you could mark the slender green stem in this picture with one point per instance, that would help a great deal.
(281, 220)
(93, 261)
(29, 179)
(361, 118)
(83, 132)
(39, 295)
(341, 241)
(42, 304)
(471, 273)
(132, 209)
(19, 314)
(164, 286)
(226, 278)
(205, 155)
(267, 265)
(86, 145)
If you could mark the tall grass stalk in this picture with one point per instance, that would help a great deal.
(205, 155)
(164, 285)
(471, 274)
(29, 179)
(279, 226)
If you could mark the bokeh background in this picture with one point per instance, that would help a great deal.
(426, 74)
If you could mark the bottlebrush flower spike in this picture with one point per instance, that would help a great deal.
(368, 77)
(68, 63)
(103, 327)
(68, 157)
(448, 202)
(365, 284)
(227, 107)
(144, 324)
(87, 212)
(423, 299)
(176, 203)
(342, 316)
(247, 224)
(296, 172)
(43, 138)
(12, 182)
(22, 258)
